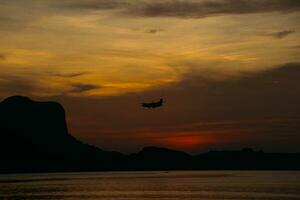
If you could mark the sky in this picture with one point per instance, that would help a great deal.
(228, 69)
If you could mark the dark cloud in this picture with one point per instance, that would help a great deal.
(2, 56)
(199, 9)
(96, 4)
(153, 31)
(70, 75)
(190, 8)
(79, 88)
(281, 34)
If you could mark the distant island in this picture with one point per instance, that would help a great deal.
(34, 138)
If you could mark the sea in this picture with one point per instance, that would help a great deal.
(164, 185)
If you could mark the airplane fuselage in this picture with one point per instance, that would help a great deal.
(153, 104)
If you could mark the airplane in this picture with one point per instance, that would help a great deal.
(153, 104)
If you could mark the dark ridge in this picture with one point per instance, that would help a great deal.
(16, 100)
(34, 138)
(156, 151)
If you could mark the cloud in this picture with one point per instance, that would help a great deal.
(270, 93)
(80, 88)
(15, 85)
(2, 56)
(281, 34)
(31, 85)
(70, 75)
(153, 31)
(189, 8)
(200, 9)
(13, 17)
(96, 4)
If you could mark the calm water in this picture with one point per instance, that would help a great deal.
(174, 185)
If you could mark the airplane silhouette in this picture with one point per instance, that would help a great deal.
(153, 104)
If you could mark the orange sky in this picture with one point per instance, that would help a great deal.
(227, 69)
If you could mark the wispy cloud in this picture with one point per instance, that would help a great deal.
(69, 75)
(281, 34)
(96, 4)
(153, 30)
(188, 8)
(80, 88)
(16, 85)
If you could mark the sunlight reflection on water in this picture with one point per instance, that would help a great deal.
(173, 185)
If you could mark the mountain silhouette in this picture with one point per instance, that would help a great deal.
(34, 138)
(156, 158)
